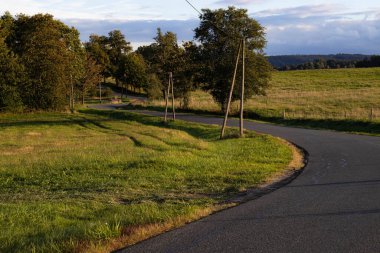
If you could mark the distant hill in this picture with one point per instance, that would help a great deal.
(288, 60)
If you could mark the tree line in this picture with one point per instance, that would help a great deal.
(44, 65)
(368, 62)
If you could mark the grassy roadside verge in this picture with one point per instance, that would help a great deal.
(336, 99)
(97, 180)
(364, 127)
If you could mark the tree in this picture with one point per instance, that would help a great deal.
(76, 69)
(46, 58)
(7, 26)
(154, 87)
(91, 77)
(165, 56)
(97, 48)
(11, 78)
(220, 33)
(117, 48)
(133, 70)
(167, 53)
(52, 54)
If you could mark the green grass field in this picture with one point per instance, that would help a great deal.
(77, 182)
(341, 99)
(322, 94)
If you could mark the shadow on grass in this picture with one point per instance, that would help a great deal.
(42, 123)
(198, 131)
(348, 125)
(205, 132)
(162, 109)
(64, 120)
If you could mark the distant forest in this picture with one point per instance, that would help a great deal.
(300, 62)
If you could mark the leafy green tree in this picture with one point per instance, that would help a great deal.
(167, 53)
(12, 76)
(117, 48)
(133, 71)
(76, 68)
(97, 48)
(220, 33)
(154, 87)
(149, 54)
(165, 56)
(6, 26)
(188, 75)
(91, 77)
(52, 54)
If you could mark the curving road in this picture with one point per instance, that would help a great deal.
(333, 206)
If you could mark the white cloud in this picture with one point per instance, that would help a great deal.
(304, 11)
(237, 2)
(137, 31)
(93, 9)
(317, 36)
(307, 29)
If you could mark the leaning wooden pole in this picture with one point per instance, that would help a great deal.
(230, 95)
(171, 80)
(242, 94)
(167, 101)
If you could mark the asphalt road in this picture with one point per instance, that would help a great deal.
(333, 206)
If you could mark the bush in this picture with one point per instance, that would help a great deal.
(154, 88)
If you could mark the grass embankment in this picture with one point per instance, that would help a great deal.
(97, 180)
(339, 99)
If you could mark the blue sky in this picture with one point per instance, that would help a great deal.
(293, 27)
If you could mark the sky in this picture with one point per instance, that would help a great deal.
(292, 27)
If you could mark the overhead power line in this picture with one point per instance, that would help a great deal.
(200, 13)
(242, 47)
(215, 25)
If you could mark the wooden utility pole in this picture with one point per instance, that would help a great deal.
(100, 92)
(242, 93)
(170, 88)
(241, 48)
(231, 92)
(167, 101)
(171, 80)
(71, 93)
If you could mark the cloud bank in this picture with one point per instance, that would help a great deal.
(321, 29)
(314, 29)
(138, 32)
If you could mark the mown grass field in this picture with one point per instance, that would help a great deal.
(97, 180)
(341, 99)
